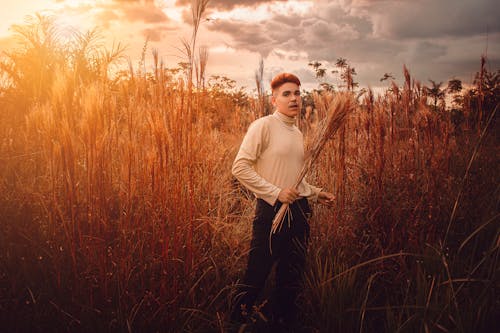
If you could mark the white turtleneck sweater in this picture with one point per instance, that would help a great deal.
(271, 157)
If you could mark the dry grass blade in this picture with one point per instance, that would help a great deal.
(466, 175)
(365, 301)
(368, 262)
(341, 106)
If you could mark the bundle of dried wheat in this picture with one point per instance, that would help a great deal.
(342, 104)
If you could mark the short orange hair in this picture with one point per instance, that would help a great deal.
(283, 78)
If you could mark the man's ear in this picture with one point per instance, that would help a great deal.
(272, 99)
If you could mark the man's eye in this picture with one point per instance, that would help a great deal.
(297, 93)
(286, 94)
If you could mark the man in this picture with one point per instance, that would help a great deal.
(268, 163)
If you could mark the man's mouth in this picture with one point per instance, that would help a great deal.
(293, 106)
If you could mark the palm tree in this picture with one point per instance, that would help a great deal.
(341, 63)
(346, 73)
(387, 76)
(320, 72)
(435, 92)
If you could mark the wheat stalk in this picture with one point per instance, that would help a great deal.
(339, 108)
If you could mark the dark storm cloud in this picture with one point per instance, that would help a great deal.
(428, 50)
(250, 36)
(435, 39)
(462, 59)
(311, 35)
(428, 18)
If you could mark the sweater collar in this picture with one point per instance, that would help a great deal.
(290, 121)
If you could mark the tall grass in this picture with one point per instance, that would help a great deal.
(118, 211)
(406, 171)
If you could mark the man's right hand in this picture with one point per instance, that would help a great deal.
(288, 195)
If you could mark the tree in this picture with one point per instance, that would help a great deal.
(435, 92)
(347, 73)
(341, 63)
(320, 72)
(454, 88)
(484, 97)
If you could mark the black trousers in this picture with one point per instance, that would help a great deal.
(288, 252)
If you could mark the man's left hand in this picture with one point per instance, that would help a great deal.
(326, 198)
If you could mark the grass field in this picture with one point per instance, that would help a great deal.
(118, 210)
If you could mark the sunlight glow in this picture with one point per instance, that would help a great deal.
(258, 14)
(14, 12)
(75, 14)
(75, 3)
(173, 13)
(292, 7)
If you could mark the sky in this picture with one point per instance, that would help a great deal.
(435, 39)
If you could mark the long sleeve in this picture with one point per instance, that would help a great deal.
(243, 168)
(271, 157)
(310, 191)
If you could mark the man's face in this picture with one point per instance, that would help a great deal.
(287, 99)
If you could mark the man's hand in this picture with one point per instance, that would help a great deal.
(326, 198)
(288, 195)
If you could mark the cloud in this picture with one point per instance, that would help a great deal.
(293, 32)
(248, 36)
(106, 16)
(229, 4)
(119, 13)
(427, 18)
(428, 50)
(153, 35)
(156, 33)
(139, 11)
(436, 39)
(146, 14)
